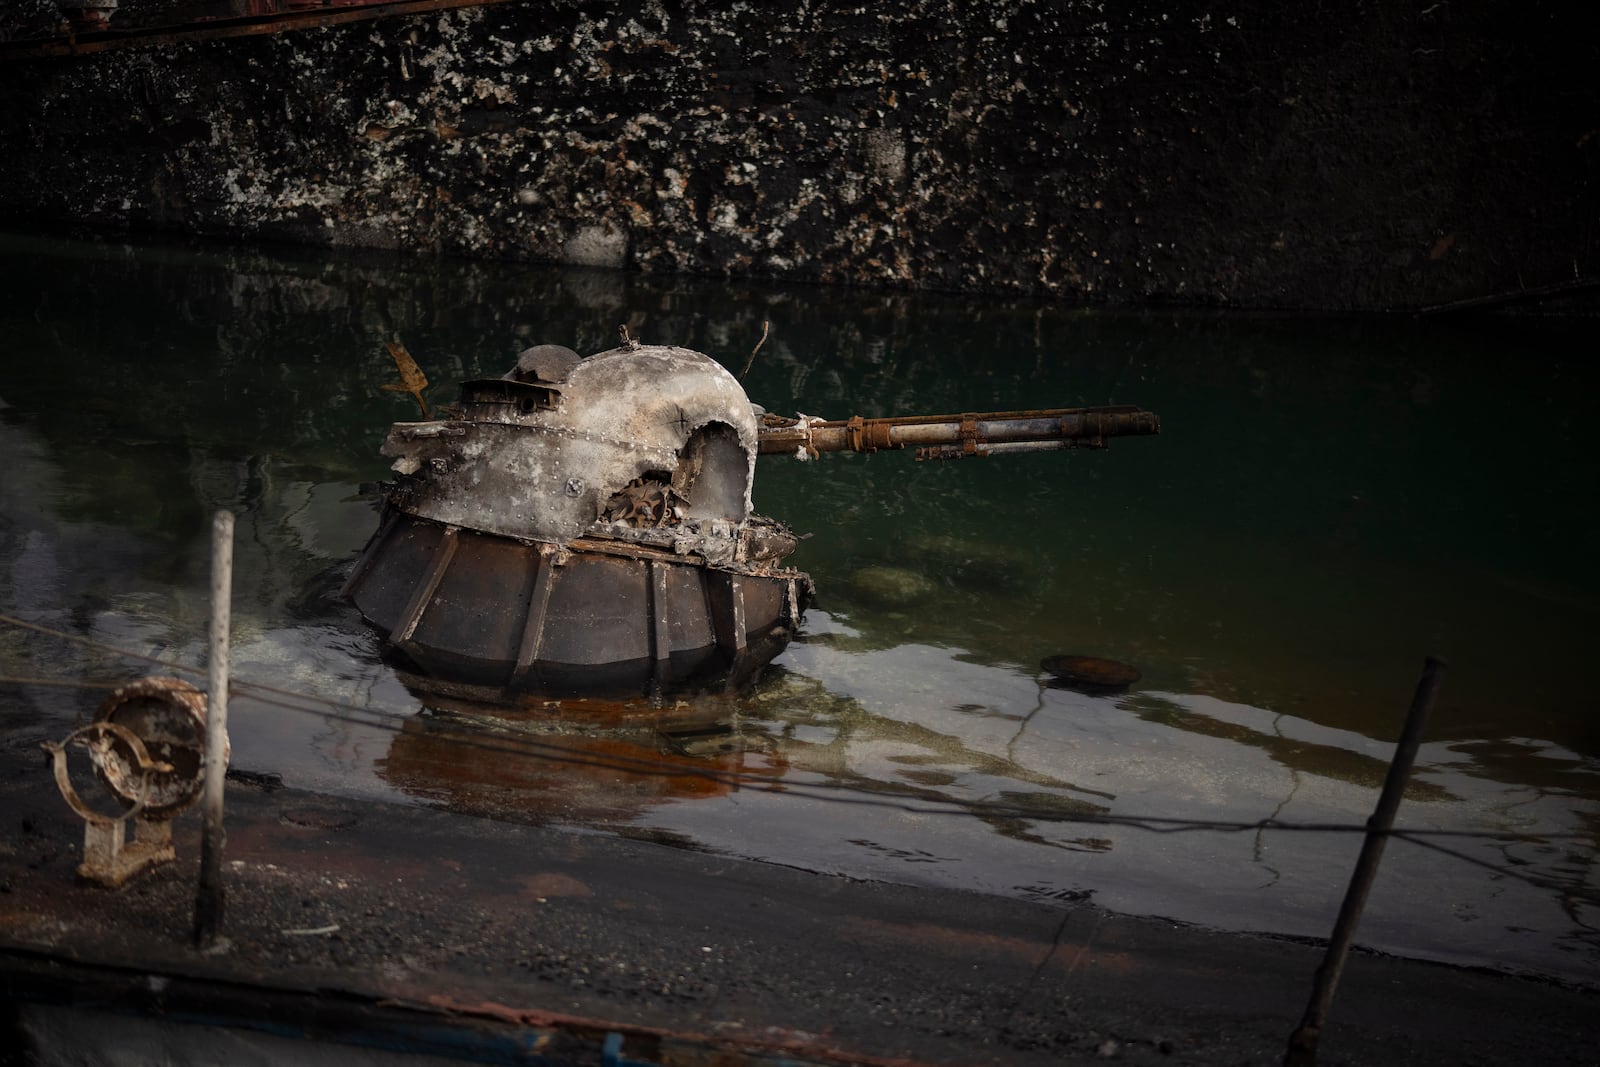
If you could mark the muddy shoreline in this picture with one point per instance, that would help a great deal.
(498, 928)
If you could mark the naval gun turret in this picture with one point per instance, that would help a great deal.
(584, 526)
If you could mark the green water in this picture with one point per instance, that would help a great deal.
(1331, 500)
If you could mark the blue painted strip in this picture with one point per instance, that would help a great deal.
(611, 1054)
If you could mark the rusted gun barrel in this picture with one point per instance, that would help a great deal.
(989, 433)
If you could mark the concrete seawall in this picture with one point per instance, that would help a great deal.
(1369, 156)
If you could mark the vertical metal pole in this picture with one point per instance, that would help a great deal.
(209, 900)
(1303, 1042)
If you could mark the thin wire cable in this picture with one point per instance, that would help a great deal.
(60, 683)
(1534, 880)
(100, 646)
(836, 792)
(547, 752)
(556, 753)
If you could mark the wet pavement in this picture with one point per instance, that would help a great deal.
(496, 929)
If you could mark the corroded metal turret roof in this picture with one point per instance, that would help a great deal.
(530, 458)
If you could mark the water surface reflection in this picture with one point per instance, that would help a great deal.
(1324, 508)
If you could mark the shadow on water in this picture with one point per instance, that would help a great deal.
(1330, 500)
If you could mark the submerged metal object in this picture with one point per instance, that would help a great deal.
(584, 527)
(1090, 672)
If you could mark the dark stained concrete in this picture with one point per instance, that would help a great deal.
(1382, 154)
(354, 922)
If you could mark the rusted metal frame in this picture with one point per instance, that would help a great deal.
(374, 547)
(726, 593)
(1032, 413)
(248, 26)
(971, 431)
(651, 554)
(502, 391)
(1062, 445)
(986, 428)
(1090, 426)
(87, 735)
(853, 434)
(627, 550)
(109, 857)
(406, 625)
(968, 431)
(868, 435)
(1006, 448)
(533, 622)
(660, 634)
(785, 439)
(183, 727)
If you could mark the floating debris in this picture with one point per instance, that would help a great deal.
(412, 380)
(1086, 672)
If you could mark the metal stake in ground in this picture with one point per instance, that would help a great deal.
(1303, 1042)
(209, 900)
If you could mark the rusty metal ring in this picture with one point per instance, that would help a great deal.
(169, 716)
(141, 755)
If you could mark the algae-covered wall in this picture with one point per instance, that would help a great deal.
(1354, 155)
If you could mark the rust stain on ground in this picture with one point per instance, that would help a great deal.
(1065, 953)
(554, 884)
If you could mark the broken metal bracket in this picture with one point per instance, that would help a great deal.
(145, 746)
(109, 857)
(969, 435)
